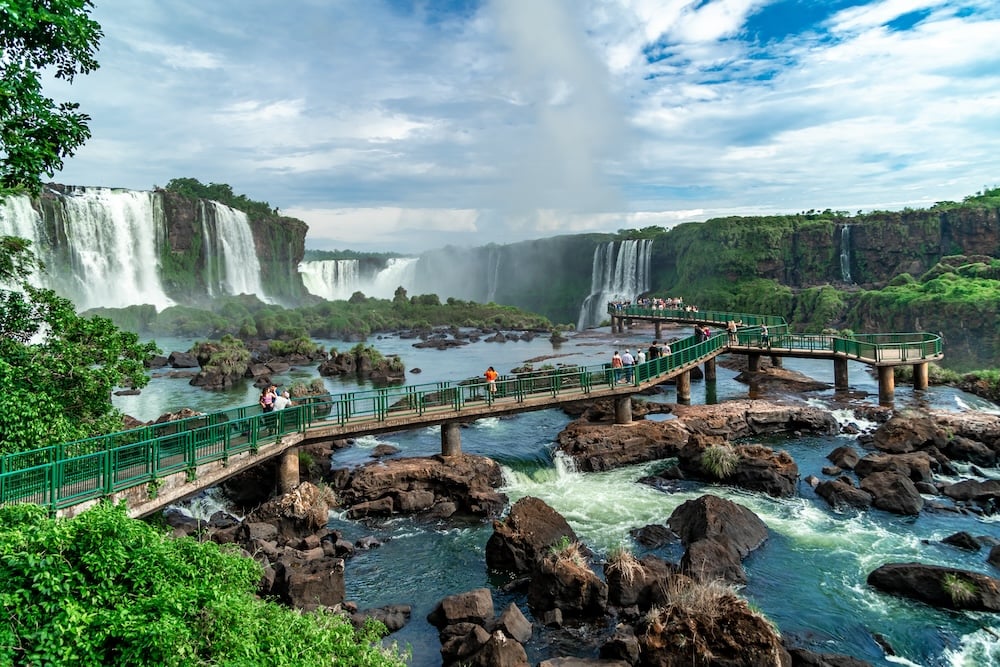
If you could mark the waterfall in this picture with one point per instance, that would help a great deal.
(338, 279)
(104, 249)
(233, 255)
(845, 253)
(492, 274)
(620, 271)
(333, 279)
(19, 218)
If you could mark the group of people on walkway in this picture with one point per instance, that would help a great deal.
(623, 365)
(271, 399)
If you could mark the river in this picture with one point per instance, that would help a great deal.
(808, 577)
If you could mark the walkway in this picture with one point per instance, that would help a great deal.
(154, 466)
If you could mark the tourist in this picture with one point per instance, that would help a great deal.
(628, 362)
(640, 357)
(765, 340)
(267, 397)
(491, 379)
(731, 330)
(654, 351)
(282, 400)
(616, 364)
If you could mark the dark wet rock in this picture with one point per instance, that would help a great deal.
(945, 587)
(841, 493)
(182, 360)
(724, 631)
(973, 489)
(994, 557)
(893, 492)
(653, 536)
(526, 535)
(401, 485)
(563, 580)
(802, 657)
(470, 633)
(637, 582)
(908, 432)
(916, 466)
(844, 457)
(394, 616)
(718, 534)
(963, 540)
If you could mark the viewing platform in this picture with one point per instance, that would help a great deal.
(156, 465)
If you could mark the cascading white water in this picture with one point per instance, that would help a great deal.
(620, 271)
(398, 272)
(845, 253)
(110, 257)
(18, 218)
(236, 252)
(338, 279)
(493, 274)
(333, 279)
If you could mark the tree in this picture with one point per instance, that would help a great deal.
(36, 132)
(58, 369)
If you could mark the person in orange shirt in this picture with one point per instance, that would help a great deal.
(491, 379)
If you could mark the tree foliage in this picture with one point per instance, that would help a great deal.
(222, 193)
(57, 370)
(104, 589)
(36, 132)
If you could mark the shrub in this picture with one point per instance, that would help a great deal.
(720, 460)
(959, 589)
(624, 562)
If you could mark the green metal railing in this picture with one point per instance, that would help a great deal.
(879, 348)
(67, 474)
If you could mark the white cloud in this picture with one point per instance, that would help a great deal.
(522, 118)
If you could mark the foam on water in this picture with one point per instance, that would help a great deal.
(977, 648)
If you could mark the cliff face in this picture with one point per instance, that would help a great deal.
(279, 242)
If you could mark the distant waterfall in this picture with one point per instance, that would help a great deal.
(105, 249)
(845, 253)
(333, 279)
(492, 274)
(234, 252)
(338, 279)
(620, 271)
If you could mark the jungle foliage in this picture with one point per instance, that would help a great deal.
(38, 39)
(192, 188)
(248, 317)
(104, 589)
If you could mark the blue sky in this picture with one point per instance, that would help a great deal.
(401, 125)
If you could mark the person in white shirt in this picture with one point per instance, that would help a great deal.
(628, 361)
(282, 400)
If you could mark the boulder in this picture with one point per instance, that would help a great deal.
(529, 532)
(893, 492)
(710, 517)
(708, 625)
(908, 432)
(183, 360)
(563, 580)
(844, 457)
(841, 492)
(475, 606)
(418, 485)
(917, 466)
(802, 657)
(938, 586)
(308, 583)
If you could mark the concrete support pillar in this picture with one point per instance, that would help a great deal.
(840, 373)
(451, 439)
(710, 370)
(684, 387)
(886, 385)
(658, 326)
(776, 361)
(753, 362)
(623, 409)
(921, 375)
(628, 323)
(288, 470)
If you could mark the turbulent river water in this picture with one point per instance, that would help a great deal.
(808, 577)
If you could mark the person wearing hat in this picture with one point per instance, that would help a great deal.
(628, 362)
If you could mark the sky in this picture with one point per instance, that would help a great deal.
(405, 125)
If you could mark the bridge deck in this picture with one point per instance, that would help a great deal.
(155, 465)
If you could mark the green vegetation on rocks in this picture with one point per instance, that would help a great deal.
(104, 589)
